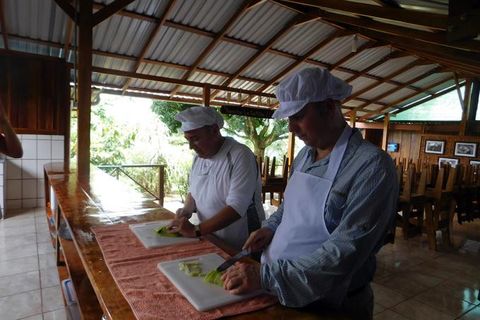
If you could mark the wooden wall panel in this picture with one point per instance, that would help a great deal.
(35, 93)
(409, 144)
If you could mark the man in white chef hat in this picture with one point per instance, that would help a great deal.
(225, 184)
(340, 201)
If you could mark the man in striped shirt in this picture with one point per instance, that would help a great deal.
(340, 200)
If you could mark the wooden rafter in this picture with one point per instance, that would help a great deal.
(3, 25)
(393, 104)
(300, 60)
(128, 74)
(376, 84)
(431, 97)
(393, 90)
(425, 19)
(109, 10)
(68, 38)
(67, 8)
(216, 40)
(466, 62)
(299, 19)
(148, 42)
(437, 38)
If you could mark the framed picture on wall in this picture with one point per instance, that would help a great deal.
(465, 149)
(447, 161)
(434, 146)
(475, 163)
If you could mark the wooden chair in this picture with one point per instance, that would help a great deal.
(440, 208)
(272, 183)
(411, 204)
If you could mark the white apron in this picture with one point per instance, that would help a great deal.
(302, 229)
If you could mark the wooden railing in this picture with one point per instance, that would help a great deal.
(116, 170)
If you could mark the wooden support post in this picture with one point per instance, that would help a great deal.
(465, 107)
(353, 118)
(84, 85)
(386, 123)
(291, 150)
(206, 95)
(161, 184)
(473, 108)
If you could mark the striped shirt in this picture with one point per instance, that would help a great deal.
(359, 210)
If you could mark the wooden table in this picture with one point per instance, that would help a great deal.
(98, 200)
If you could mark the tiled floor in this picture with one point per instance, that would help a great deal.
(411, 282)
(29, 283)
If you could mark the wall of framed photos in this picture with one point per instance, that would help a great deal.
(462, 150)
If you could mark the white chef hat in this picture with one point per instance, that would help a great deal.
(197, 117)
(305, 86)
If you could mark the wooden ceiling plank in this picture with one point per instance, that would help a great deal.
(216, 40)
(149, 40)
(109, 10)
(67, 8)
(425, 19)
(389, 92)
(3, 25)
(299, 19)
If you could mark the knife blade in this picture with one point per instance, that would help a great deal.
(230, 262)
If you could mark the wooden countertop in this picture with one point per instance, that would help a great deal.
(101, 200)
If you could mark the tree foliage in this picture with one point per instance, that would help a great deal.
(261, 133)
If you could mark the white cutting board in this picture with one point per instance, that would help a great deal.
(145, 232)
(203, 296)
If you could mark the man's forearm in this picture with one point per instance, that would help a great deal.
(222, 219)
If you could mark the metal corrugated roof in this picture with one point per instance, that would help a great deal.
(261, 23)
(389, 67)
(40, 27)
(338, 48)
(267, 66)
(304, 37)
(366, 58)
(227, 57)
(208, 15)
(414, 72)
(376, 91)
(397, 95)
(176, 46)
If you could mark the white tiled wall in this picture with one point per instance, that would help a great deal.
(24, 185)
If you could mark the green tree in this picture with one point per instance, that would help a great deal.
(261, 133)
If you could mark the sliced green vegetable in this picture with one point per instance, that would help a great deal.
(163, 231)
(192, 268)
(214, 277)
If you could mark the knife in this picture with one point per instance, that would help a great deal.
(230, 262)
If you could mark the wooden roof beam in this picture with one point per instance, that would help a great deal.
(365, 46)
(109, 10)
(466, 62)
(216, 40)
(299, 19)
(389, 92)
(149, 40)
(438, 38)
(393, 104)
(389, 77)
(129, 74)
(425, 19)
(3, 26)
(67, 8)
(392, 55)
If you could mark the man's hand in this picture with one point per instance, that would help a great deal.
(182, 226)
(242, 278)
(259, 239)
(182, 212)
